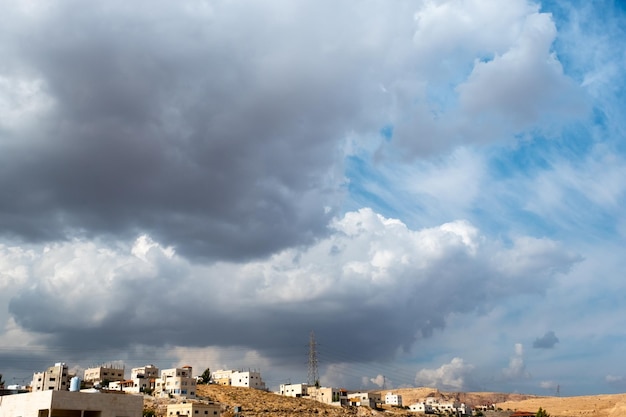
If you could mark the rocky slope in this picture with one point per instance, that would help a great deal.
(256, 403)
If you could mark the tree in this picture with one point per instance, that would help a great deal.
(206, 376)
(542, 413)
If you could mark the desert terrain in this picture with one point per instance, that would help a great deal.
(256, 403)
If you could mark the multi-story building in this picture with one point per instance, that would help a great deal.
(143, 379)
(393, 399)
(51, 403)
(422, 407)
(222, 376)
(147, 371)
(293, 390)
(177, 382)
(248, 379)
(54, 378)
(328, 395)
(210, 409)
(365, 399)
(104, 374)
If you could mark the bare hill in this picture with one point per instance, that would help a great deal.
(593, 405)
(256, 403)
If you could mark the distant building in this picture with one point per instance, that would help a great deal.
(54, 378)
(328, 395)
(248, 379)
(365, 399)
(176, 382)
(147, 371)
(393, 399)
(194, 410)
(293, 390)
(422, 407)
(53, 403)
(143, 379)
(103, 374)
(221, 377)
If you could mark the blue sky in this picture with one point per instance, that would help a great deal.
(436, 188)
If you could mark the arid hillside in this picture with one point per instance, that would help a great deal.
(256, 403)
(594, 405)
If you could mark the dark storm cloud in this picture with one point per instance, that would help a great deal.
(547, 341)
(382, 277)
(216, 131)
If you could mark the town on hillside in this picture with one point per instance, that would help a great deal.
(56, 392)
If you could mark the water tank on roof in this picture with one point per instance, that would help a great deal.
(75, 384)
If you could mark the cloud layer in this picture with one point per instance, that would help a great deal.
(209, 181)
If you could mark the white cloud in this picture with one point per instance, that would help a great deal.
(379, 381)
(453, 376)
(367, 261)
(522, 88)
(517, 368)
(452, 33)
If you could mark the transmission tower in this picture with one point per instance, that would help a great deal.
(313, 377)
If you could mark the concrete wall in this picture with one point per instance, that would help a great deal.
(194, 410)
(70, 404)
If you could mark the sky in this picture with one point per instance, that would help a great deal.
(435, 188)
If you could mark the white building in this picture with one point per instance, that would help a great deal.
(248, 379)
(103, 374)
(176, 382)
(54, 378)
(222, 376)
(422, 408)
(365, 399)
(293, 390)
(147, 371)
(52, 403)
(143, 379)
(393, 399)
(210, 409)
(328, 395)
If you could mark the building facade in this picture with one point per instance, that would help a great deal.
(247, 379)
(55, 403)
(103, 374)
(210, 409)
(393, 399)
(54, 378)
(176, 382)
(422, 408)
(329, 395)
(365, 399)
(293, 390)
